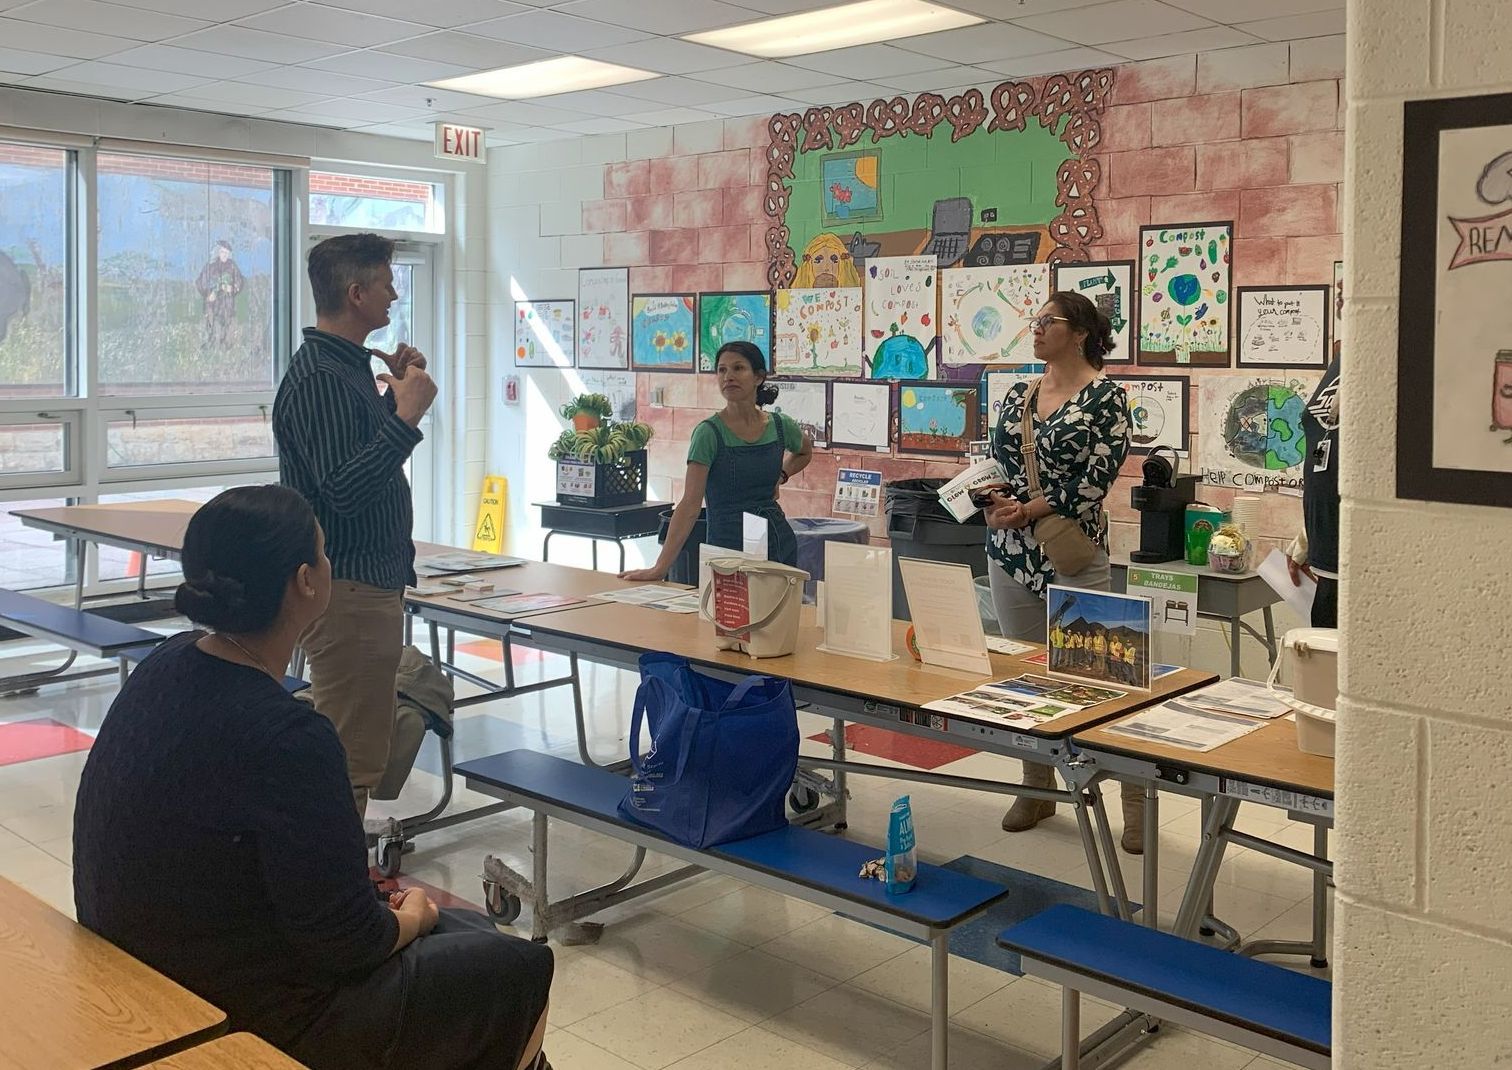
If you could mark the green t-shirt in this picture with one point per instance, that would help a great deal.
(703, 446)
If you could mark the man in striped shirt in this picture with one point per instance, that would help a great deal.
(343, 446)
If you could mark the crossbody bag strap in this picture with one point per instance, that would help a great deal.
(1026, 441)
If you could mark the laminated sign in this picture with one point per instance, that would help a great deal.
(732, 605)
(576, 479)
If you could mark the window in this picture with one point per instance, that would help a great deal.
(202, 436)
(35, 185)
(375, 203)
(185, 282)
(37, 450)
(30, 558)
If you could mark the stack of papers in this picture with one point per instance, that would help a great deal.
(516, 604)
(1245, 697)
(651, 596)
(956, 495)
(462, 561)
(1026, 701)
(1177, 723)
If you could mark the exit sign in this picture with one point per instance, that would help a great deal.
(455, 142)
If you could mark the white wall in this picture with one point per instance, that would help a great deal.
(1423, 943)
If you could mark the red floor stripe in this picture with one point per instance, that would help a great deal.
(896, 747)
(42, 737)
(492, 650)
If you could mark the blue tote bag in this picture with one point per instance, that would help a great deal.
(722, 755)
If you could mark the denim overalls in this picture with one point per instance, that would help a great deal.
(743, 479)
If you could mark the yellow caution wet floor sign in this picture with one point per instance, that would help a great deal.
(488, 535)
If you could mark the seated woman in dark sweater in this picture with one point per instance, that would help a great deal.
(215, 837)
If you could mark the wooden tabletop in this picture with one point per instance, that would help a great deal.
(239, 1051)
(69, 999)
(157, 524)
(1269, 755)
(902, 681)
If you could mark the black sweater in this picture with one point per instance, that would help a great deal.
(215, 839)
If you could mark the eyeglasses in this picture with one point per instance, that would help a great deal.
(1044, 323)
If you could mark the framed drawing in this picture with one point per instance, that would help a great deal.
(807, 403)
(663, 332)
(861, 416)
(902, 302)
(996, 383)
(1108, 284)
(1184, 298)
(851, 189)
(603, 333)
(1250, 430)
(985, 313)
(733, 316)
(545, 334)
(1282, 326)
(938, 418)
(1454, 360)
(1159, 408)
(817, 333)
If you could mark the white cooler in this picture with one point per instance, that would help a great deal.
(1314, 655)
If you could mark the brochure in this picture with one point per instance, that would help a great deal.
(1178, 724)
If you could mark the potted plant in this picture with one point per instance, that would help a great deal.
(615, 456)
(587, 411)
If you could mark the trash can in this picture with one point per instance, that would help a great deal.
(919, 526)
(813, 532)
(986, 609)
(685, 565)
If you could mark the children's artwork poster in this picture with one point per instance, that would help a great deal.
(618, 387)
(987, 313)
(1184, 297)
(545, 334)
(938, 418)
(1454, 400)
(1098, 636)
(851, 188)
(1282, 326)
(1108, 284)
(663, 332)
(1338, 308)
(998, 383)
(603, 333)
(807, 404)
(817, 333)
(1159, 408)
(1251, 430)
(861, 416)
(733, 316)
(901, 309)
(858, 492)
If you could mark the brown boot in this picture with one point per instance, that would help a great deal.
(1132, 840)
(1026, 813)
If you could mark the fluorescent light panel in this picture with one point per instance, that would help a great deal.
(565, 74)
(863, 23)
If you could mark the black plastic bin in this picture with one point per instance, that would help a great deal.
(919, 526)
(685, 565)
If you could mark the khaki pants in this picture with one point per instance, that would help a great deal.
(354, 653)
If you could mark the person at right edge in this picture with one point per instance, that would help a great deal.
(343, 445)
(1081, 430)
(1316, 550)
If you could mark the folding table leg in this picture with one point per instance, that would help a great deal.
(939, 1001)
(1070, 1029)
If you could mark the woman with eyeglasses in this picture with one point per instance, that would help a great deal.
(1081, 427)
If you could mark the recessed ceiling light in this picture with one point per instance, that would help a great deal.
(836, 27)
(565, 74)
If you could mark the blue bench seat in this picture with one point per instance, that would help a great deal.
(1264, 1007)
(77, 629)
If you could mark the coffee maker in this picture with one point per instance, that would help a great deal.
(1162, 500)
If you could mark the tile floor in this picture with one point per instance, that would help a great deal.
(713, 973)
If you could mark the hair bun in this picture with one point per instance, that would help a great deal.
(210, 599)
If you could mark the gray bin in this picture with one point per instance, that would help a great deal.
(919, 526)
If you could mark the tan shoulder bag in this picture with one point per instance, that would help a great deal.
(1062, 538)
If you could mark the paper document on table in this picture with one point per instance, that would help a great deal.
(675, 599)
(1177, 724)
(947, 626)
(998, 645)
(1299, 597)
(956, 495)
(462, 561)
(753, 535)
(858, 601)
(515, 604)
(994, 706)
(1239, 696)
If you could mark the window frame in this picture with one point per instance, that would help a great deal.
(71, 473)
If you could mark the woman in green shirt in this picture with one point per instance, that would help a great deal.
(737, 460)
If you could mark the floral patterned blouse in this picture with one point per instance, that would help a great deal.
(1081, 447)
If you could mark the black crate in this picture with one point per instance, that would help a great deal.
(619, 483)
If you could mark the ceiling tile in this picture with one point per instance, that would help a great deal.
(465, 50)
(316, 22)
(442, 14)
(768, 76)
(110, 19)
(188, 61)
(1018, 9)
(662, 16)
(679, 92)
(668, 56)
(867, 61)
(255, 44)
(1180, 44)
(1067, 59)
(1295, 27)
(13, 61)
(539, 133)
(408, 131)
(1236, 11)
(757, 105)
(794, 7)
(308, 119)
(672, 116)
(323, 83)
(57, 41)
(209, 10)
(218, 107)
(603, 125)
(526, 114)
(360, 112)
(938, 81)
(839, 93)
(389, 66)
(1123, 20)
(54, 84)
(426, 98)
(263, 96)
(118, 77)
(972, 44)
(553, 30)
(594, 102)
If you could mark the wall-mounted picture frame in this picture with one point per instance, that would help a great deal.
(1454, 325)
(545, 334)
(1282, 326)
(1111, 286)
(733, 316)
(603, 330)
(940, 419)
(861, 416)
(664, 332)
(807, 403)
(1185, 294)
(996, 385)
(1160, 409)
(851, 188)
